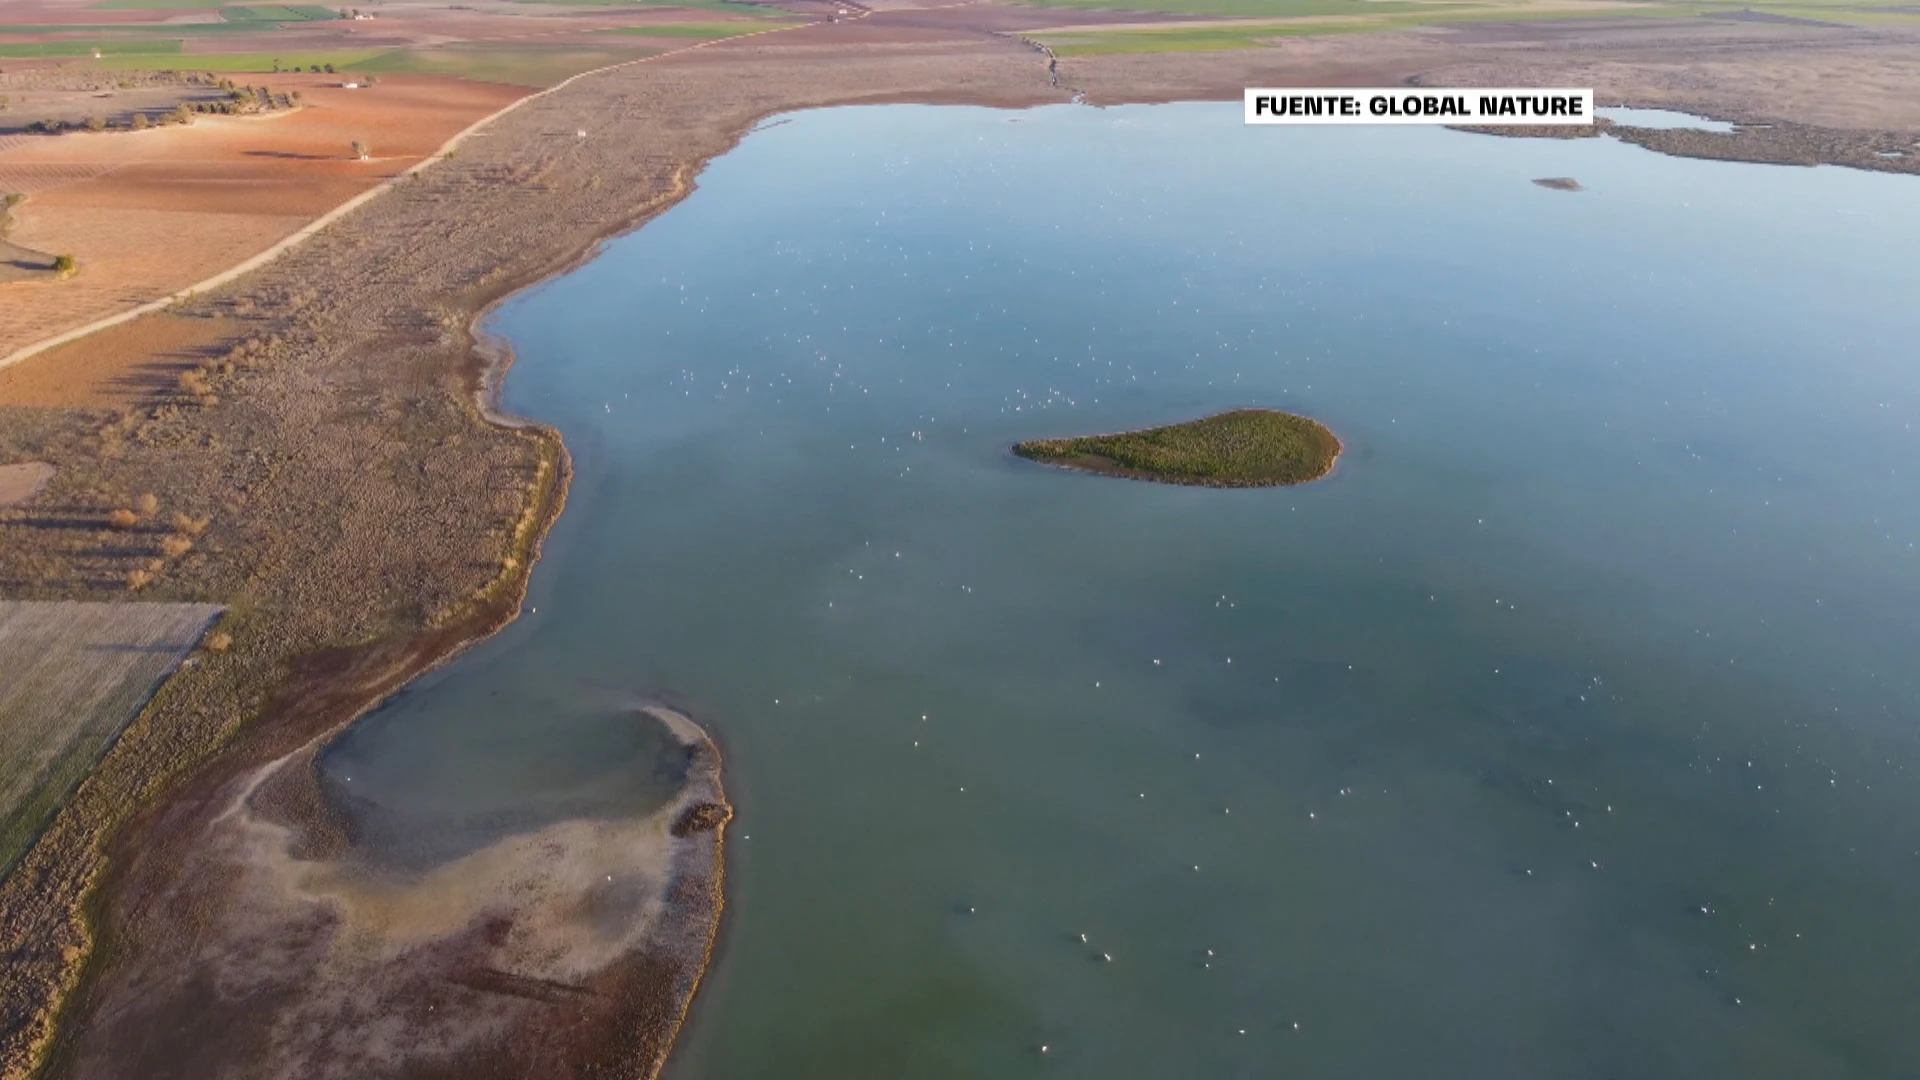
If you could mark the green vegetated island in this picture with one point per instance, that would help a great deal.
(1241, 448)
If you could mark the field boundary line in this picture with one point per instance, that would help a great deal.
(301, 235)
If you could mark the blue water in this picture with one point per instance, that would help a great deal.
(1663, 119)
(1567, 730)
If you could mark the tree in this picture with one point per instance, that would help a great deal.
(329, 68)
(96, 123)
(139, 121)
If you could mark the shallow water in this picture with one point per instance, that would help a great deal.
(1662, 119)
(1564, 731)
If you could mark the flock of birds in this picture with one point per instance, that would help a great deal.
(913, 351)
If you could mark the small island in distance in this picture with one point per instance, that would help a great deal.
(1240, 448)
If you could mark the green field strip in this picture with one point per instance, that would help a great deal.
(254, 62)
(114, 48)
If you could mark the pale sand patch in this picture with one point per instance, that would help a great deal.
(18, 483)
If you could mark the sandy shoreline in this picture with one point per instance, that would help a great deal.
(456, 527)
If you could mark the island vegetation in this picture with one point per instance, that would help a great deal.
(1241, 448)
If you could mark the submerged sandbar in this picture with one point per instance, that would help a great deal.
(1239, 448)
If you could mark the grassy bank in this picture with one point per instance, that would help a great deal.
(1242, 448)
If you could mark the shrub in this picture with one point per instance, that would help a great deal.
(139, 121)
(175, 546)
(189, 526)
(361, 150)
(138, 579)
(122, 518)
(219, 641)
(63, 264)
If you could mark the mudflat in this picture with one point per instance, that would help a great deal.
(369, 516)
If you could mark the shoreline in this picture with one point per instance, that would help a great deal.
(396, 662)
(45, 1041)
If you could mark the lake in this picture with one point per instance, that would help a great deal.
(1563, 731)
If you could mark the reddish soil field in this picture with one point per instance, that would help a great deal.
(119, 366)
(147, 213)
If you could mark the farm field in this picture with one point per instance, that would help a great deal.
(1255, 34)
(149, 212)
(1409, 13)
(77, 673)
(710, 31)
(146, 213)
